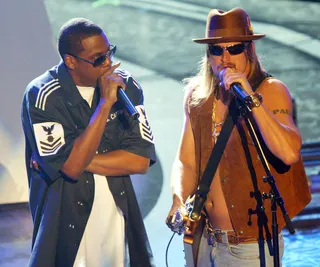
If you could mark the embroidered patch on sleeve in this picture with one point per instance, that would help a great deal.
(145, 129)
(49, 137)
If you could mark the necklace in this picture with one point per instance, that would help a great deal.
(216, 126)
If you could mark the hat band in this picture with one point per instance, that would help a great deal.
(228, 32)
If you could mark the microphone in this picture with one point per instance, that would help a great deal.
(123, 98)
(240, 93)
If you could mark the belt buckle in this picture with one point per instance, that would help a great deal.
(233, 239)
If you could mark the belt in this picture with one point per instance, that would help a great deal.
(222, 236)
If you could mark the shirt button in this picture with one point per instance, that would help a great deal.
(87, 181)
(241, 233)
(80, 203)
(71, 226)
(232, 206)
(122, 193)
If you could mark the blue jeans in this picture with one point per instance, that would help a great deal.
(241, 255)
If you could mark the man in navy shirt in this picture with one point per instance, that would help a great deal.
(84, 146)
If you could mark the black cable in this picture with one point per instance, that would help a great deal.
(168, 248)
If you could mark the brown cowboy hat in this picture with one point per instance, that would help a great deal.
(230, 26)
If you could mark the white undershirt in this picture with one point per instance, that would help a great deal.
(103, 241)
(86, 93)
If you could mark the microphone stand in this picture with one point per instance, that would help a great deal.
(274, 194)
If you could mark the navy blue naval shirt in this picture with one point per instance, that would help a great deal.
(54, 114)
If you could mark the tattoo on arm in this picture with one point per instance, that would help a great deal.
(281, 111)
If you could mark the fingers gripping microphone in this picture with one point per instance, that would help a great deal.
(237, 89)
(123, 98)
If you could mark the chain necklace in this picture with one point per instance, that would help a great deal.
(216, 126)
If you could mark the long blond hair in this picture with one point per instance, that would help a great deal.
(203, 84)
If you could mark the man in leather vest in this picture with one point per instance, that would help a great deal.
(232, 230)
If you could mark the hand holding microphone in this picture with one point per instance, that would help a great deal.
(237, 83)
(109, 83)
(112, 89)
(230, 77)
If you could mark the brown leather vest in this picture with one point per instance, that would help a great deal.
(240, 172)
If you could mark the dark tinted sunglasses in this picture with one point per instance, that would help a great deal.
(100, 60)
(217, 50)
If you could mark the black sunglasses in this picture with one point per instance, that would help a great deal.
(217, 50)
(100, 60)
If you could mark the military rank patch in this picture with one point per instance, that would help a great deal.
(145, 129)
(49, 137)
